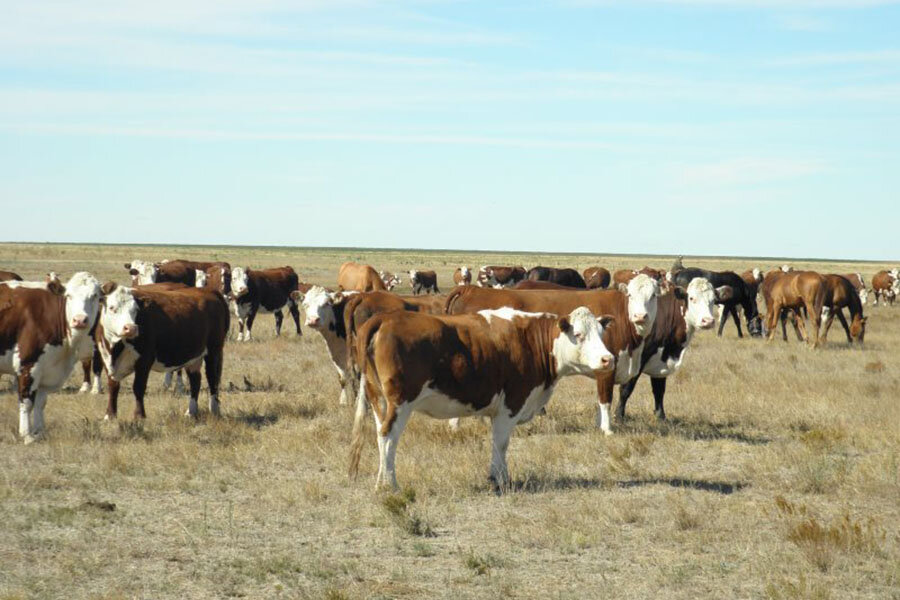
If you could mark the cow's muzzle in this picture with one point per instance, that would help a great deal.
(79, 322)
(707, 322)
(129, 332)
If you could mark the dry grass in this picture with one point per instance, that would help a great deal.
(257, 503)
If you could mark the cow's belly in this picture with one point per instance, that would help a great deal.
(123, 365)
(241, 310)
(167, 366)
(534, 403)
(657, 367)
(53, 367)
(438, 405)
(271, 307)
(628, 365)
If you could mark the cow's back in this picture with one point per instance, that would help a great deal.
(360, 278)
(596, 278)
(30, 318)
(9, 276)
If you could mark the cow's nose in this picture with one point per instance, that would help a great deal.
(129, 331)
(79, 321)
(640, 318)
(312, 322)
(706, 322)
(606, 361)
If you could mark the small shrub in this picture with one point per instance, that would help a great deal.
(481, 564)
(398, 508)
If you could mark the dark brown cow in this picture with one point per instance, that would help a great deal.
(885, 287)
(462, 276)
(530, 284)
(596, 278)
(497, 277)
(266, 289)
(623, 276)
(796, 290)
(423, 281)
(566, 277)
(634, 313)
(43, 333)
(162, 328)
(840, 294)
(501, 363)
(361, 278)
(9, 276)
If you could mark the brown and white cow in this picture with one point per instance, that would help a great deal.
(596, 278)
(43, 333)
(462, 276)
(498, 277)
(885, 286)
(423, 281)
(174, 271)
(361, 278)
(503, 364)
(266, 289)
(634, 311)
(389, 279)
(162, 329)
(623, 276)
(9, 276)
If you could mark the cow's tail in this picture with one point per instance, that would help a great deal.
(362, 400)
(352, 367)
(452, 298)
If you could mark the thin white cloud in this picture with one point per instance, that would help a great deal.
(745, 171)
(804, 22)
(888, 56)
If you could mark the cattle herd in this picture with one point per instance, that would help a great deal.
(495, 347)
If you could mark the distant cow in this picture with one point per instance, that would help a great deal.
(885, 287)
(621, 276)
(462, 276)
(566, 277)
(741, 295)
(266, 289)
(500, 363)
(497, 277)
(171, 271)
(43, 333)
(361, 278)
(528, 284)
(9, 276)
(596, 278)
(423, 281)
(859, 284)
(800, 291)
(389, 279)
(162, 330)
(839, 294)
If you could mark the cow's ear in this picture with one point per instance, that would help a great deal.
(724, 293)
(297, 296)
(128, 266)
(680, 292)
(336, 297)
(623, 288)
(107, 288)
(564, 324)
(55, 287)
(605, 320)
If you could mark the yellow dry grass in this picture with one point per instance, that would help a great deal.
(777, 474)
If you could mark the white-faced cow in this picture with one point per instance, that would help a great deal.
(423, 281)
(324, 311)
(389, 279)
(162, 329)
(503, 364)
(43, 333)
(742, 295)
(885, 287)
(173, 271)
(266, 289)
(499, 277)
(462, 276)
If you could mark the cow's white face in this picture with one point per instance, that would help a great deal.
(82, 294)
(412, 277)
(485, 275)
(200, 278)
(895, 287)
(239, 283)
(642, 292)
(701, 302)
(391, 281)
(464, 271)
(863, 295)
(786, 268)
(579, 347)
(318, 304)
(119, 315)
(757, 274)
(142, 272)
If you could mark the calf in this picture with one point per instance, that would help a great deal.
(741, 295)
(43, 333)
(389, 279)
(566, 277)
(266, 289)
(423, 281)
(502, 363)
(596, 278)
(679, 315)
(462, 276)
(634, 311)
(159, 329)
(885, 287)
(498, 277)
(623, 276)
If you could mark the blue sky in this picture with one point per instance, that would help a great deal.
(727, 127)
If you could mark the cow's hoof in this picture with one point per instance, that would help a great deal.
(607, 431)
(85, 387)
(107, 418)
(32, 438)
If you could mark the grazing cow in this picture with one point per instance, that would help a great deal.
(462, 276)
(162, 329)
(634, 311)
(859, 284)
(679, 315)
(798, 291)
(885, 287)
(596, 278)
(566, 277)
(839, 294)
(423, 281)
(499, 363)
(498, 277)
(741, 295)
(9, 276)
(389, 279)
(43, 333)
(361, 278)
(266, 289)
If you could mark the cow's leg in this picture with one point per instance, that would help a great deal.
(213, 376)
(380, 439)
(26, 406)
(240, 336)
(840, 316)
(454, 424)
(828, 321)
(251, 315)
(772, 319)
(112, 405)
(179, 383)
(193, 373)
(139, 386)
(295, 314)
(279, 319)
(97, 372)
(501, 428)
(342, 379)
(37, 414)
(625, 391)
(86, 376)
(167, 380)
(605, 384)
(394, 422)
(659, 393)
(737, 320)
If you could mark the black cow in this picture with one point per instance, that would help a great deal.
(566, 277)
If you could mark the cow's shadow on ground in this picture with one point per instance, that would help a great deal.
(534, 485)
(693, 429)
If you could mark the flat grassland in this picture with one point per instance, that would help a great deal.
(777, 474)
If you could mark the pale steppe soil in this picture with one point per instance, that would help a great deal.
(777, 475)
